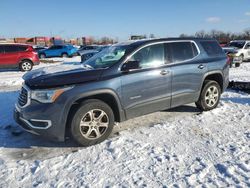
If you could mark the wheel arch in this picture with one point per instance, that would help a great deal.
(215, 76)
(107, 96)
(25, 59)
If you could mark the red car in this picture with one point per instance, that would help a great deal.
(20, 56)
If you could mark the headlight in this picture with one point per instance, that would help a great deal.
(48, 95)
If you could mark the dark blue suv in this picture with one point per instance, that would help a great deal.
(121, 82)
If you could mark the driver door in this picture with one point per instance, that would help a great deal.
(147, 89)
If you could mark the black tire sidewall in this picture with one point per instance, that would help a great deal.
(202, 102)
(82, 110)
(237, 64)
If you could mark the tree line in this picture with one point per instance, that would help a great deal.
(221, 36)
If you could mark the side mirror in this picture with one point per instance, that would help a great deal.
(130, 65)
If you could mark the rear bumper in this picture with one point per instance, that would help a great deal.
(36, 62)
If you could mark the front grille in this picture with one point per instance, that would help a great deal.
(23, 97)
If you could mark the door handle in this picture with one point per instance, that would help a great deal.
(164, 72)
(201, 66)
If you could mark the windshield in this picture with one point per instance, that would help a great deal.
(106, 58)
(237, 44)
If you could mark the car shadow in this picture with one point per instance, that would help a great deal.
(10, 70)
(184, 108)
(244, 99)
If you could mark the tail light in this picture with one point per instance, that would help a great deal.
(228, 60)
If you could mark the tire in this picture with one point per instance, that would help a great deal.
(42, 56)
(87, 130)
(65, 55)
(237, 64)
(210, 96)
(26, 65)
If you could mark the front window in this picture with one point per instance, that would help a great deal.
(150, 56)
(107, 57)
(237, 44)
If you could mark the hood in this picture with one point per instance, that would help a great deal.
(230, 49)
(56, 76)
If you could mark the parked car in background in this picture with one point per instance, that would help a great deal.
(88, 54)
(88, 47)
(91, 48)
(58, 51)
(126, 80)
(223, 44)
(38, 48)
(242, 48)
(20, 56)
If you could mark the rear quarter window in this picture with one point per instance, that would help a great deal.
(212, 48)
(22, 48)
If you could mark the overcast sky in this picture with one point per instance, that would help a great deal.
(116, 18)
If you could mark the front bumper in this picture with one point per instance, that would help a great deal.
(40, 121)
(234, 58)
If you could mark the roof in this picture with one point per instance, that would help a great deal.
(23, 44)
(146, 41)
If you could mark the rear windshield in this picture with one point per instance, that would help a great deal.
(237, 44)
(212, 48)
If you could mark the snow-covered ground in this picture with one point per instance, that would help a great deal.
(180, 147)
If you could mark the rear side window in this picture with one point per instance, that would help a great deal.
(212, 48)
(22, 48)
(182, 51)
(1, 49)
(11, 49)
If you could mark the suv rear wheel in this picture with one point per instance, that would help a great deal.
(65, 55)
(42, 56)
(92, 123)
(210, 96)
(26, 65)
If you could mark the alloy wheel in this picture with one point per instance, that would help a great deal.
(26, 66)
(94, 124)
(211, 96)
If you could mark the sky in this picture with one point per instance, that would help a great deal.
(120, 19)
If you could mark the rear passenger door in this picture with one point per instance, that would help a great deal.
(187, 72)
(53, 51)
(147, 89)
(10, 56)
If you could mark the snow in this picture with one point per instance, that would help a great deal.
(180, 147)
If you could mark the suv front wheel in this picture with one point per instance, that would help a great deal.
(92, 123)
(210, 96)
